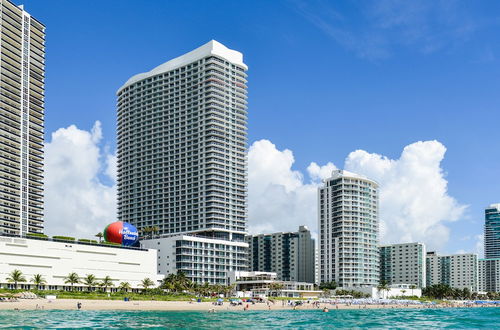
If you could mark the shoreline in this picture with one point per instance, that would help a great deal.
(145, 305)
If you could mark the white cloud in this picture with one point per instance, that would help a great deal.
(76, 201)
(415, 205)
(414, 202)
(479, 246)
(318, 173)
(279, 200)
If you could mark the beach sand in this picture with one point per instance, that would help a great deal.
(71, 304)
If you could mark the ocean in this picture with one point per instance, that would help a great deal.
(454, 318)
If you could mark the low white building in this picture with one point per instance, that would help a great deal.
(54, 260)
(203, 260)
(260, 284)
(393, 291)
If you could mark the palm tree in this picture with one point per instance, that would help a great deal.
(147, 230)
(205, 289)
(38, 280)
(124, 286)
(89, 281)
(107, 282)
(276, 287)
(328, 285)
(383, 287)
(72, 279)
(156, 229)
(15, 277)
(167, 283)
(228, 289)
(99, 235)
(146, 283)
(191, 286)
(412, 287)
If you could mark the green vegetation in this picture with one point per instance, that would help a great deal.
(63, 238)
(353, 293)
(84, 240)
(149, 231)
(37, 235)
(38, 280)
(72, 279)
(99, 235)
(276, 288)
(175, 287)
(16, 276)
(152, 294)
(444, 291)
(90, 281)
(124, 286)
(328, 285)
(147, 283)
(107, 282)
(382, 287)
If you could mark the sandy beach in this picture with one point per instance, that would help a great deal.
(71, 304)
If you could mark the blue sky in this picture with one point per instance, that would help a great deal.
(325, 78)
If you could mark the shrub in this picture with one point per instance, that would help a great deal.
(84, 240)
(63, 238)
(37, 235)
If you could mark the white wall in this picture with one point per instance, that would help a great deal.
(166, 253)
(55, 260)
(393, 292)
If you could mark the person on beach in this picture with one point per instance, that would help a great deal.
(79, 305)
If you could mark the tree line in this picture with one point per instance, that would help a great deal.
(173, 283)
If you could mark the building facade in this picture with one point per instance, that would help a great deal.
(348, 230)
(403, 264)
(182, 145)
(56, 260)
(489, 275)
(203, 260)
(492, 232)
(459, 271)
(22, 74)
(261, 284)
(291, 255)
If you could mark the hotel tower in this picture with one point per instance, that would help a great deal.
(492, 231)
(182, 168)
(22, 72)
(348, 230)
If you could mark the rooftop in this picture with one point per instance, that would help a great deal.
(212, 47)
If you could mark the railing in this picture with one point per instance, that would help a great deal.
(71, 241)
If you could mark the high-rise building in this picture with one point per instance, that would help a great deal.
(291, 255)
(182, 167)
(492, 232)
(459, 271)
(348, 230)
(403, 264)
(489, 275)
(22, 74)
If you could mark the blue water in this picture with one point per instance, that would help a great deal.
(308, 319)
